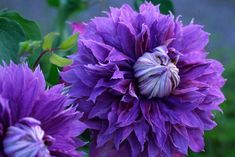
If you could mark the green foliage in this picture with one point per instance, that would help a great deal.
(49, 40)
(66, 45)
(30, 28)
(50, 56)
(59, 61)
(75, 5)
(54, 3)
(29, 46)
(10, 34)
(13, 30)
(165, 5)
(69, 43)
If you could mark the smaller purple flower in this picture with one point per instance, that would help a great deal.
(35, 122)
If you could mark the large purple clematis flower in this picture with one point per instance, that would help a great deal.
(145, 84)
(35, 122)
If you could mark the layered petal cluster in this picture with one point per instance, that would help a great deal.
(35, 121)
(144, 83)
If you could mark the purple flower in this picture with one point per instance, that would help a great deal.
(145, 84)
(34, 121)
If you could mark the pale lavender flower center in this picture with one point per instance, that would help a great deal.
(24, 140)
(156, 73)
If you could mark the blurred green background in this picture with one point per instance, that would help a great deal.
(218, 17)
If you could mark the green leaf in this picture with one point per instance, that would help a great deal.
(15, 29)
(165, 5)
(69, 43)
(54, 3)
(137, 3)
(30, 28)
(49, 40)
(53, 76)
(11, 34)
(29, 46)
(24, 46)
(75, 5)
(59, 61)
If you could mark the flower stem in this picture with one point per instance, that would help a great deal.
(41, 55)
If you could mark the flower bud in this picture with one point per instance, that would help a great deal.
(157, 75)
(25, 139)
